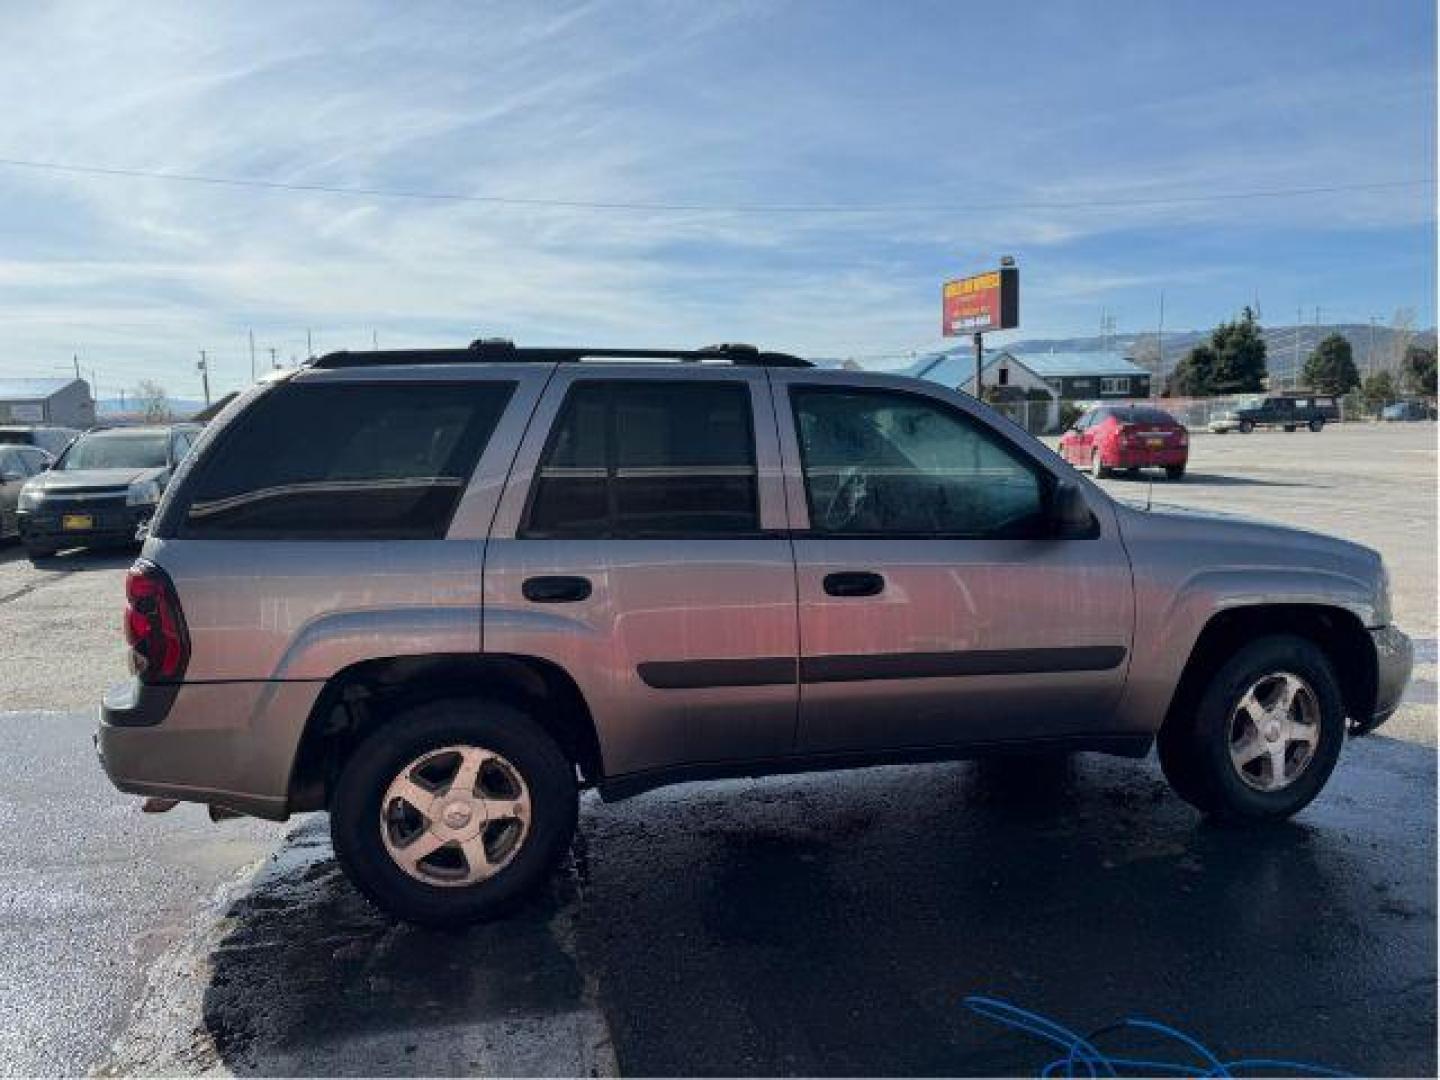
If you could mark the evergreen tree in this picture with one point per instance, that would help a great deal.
(1331, 369)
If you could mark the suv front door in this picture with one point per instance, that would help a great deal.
(640, 546)
(935, 608)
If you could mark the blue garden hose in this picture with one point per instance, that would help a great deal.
(1083, 1058)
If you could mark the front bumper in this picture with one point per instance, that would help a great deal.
(108, 525)
(1394, 657)
(1220, 426)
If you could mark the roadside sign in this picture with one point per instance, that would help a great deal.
(981, 302)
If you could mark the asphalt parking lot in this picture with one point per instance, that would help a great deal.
(826, 924)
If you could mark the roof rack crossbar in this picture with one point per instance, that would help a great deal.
(500, 350)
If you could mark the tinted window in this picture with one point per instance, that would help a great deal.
(116, 450)
(1144, 416)
(367, 461)
(35, 459)
(11, 465)
(886, 462)
(648, 459)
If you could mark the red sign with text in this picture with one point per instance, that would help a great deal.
(988, 301)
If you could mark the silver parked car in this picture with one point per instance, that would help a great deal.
(439, 592)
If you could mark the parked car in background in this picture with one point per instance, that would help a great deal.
(437, 593)
(101, 489)
(1287, 411)
(1129, 437)
(17, 465)
(1408, 410)
(49, 438)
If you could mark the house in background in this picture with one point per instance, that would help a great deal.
(65, 402)
(1012, 385)
(1090, 376)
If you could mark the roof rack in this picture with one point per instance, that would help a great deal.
(504, 351)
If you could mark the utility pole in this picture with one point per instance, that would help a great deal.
(1295, 368)
(1370, 356)
(309, 347)
(1159, 349)
(274, 364)
(252, 356)
(979, 363)
(76, 358)
(374, 340)
(204, 368)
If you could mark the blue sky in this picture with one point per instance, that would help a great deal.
(1009, 122)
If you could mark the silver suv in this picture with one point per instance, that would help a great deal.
(437, 593)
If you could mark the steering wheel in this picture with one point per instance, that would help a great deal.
(845, 503)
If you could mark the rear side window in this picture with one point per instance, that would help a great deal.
(357, 461)
(633, 458)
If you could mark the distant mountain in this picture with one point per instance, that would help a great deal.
(1282, 355)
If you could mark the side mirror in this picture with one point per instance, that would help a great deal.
(1069, 513)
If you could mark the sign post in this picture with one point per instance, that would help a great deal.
(981, 302)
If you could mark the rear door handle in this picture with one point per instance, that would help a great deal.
(556, 590)
(854, 583)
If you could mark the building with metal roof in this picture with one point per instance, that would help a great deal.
(1073, 376)
(65, 402)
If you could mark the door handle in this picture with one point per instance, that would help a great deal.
(854, 583)
(555, 590)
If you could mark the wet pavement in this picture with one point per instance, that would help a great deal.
(832, 924)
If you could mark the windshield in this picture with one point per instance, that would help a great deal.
(116, 450)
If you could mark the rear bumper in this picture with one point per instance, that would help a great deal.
(1154, 459)
(1394, 657)
(227, 744)
(111, 525)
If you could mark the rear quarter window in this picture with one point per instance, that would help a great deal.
(343, 461)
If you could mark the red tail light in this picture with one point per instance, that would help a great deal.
(154, 625)
(1127, 434)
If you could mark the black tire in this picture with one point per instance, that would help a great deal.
(1289, 427)
(1175, 472)
(1097, 467)
(1246, 427)
(1317, 425)
(1195, 748)
(39, 552)
(355, 810)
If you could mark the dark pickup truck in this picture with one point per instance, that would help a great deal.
(1288, 411)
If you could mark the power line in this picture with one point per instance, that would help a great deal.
(722, 208)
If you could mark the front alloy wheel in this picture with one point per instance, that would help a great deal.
(1274, 731)
(1262, 736)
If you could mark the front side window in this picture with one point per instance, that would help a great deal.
(116, 450)
(635, 458)
(354, 461)
(890, 463)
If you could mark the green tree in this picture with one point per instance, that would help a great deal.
(1419, 370)
(1330, 369)
(1194, 376)
(1378, 390)
(1239, 356)
(1231, 362)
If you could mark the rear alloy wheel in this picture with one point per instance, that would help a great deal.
(453, 812)
(1246, 426)
(1264, 736)
(1317, 425)
(1175, 472)
(1097, 467)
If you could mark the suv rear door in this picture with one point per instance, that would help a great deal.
(933, 611)
(640, 546)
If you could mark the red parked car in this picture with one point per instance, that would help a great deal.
(1130, 437)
